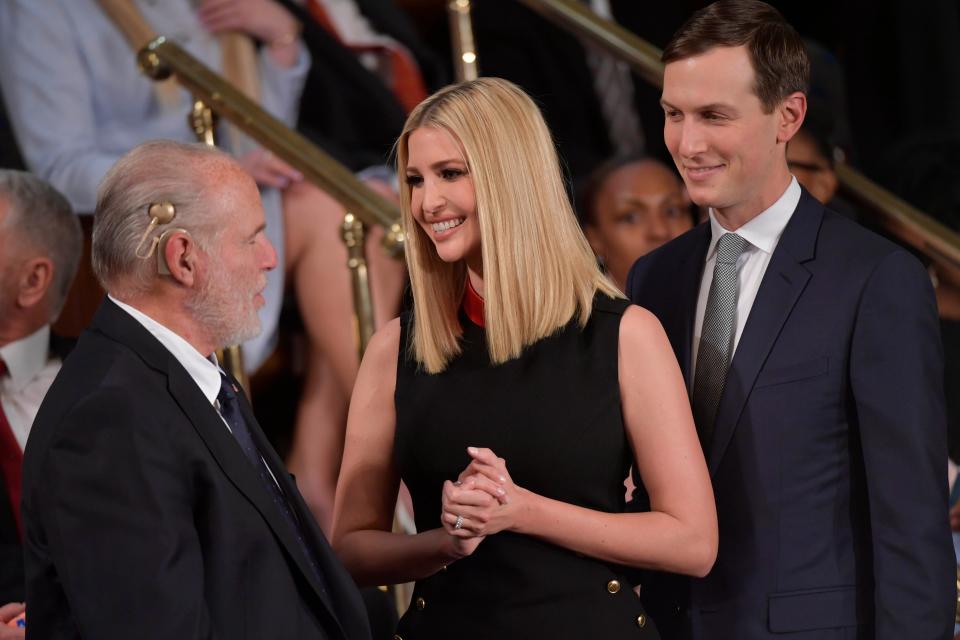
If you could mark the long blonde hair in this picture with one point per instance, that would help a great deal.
(538, 269)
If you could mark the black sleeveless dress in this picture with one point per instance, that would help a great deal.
(554, 415)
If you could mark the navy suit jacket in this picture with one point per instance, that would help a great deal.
(828, 458)
(144, 519)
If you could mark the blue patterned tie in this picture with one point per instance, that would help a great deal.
(230, 411)
(716, 336)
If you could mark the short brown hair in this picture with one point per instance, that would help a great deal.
(776, 51)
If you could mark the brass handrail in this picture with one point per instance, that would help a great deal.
(575, 16)
(908, 223)
(916, 228)
(352, 234)
(161, 58)
(461, 32)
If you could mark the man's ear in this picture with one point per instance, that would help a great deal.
(36, 277)
(179, 250)
(792, 111)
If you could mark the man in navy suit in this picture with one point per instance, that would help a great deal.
(812, 354)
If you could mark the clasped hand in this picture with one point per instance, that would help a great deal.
(483, 500)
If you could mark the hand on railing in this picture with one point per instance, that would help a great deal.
(265, 20)
(268, 170)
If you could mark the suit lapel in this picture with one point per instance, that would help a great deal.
(237, 468)
(689, 276)
(781, 287)
(301, 512)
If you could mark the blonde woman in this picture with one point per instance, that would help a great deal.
(512, 401)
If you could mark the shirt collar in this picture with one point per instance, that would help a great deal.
(26, 357)
(204, 371)
(473, 305)
(764, 230)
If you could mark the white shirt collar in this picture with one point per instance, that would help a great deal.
(764, 230)
(26, 357)
(205, 372)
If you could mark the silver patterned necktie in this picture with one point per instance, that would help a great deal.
(716, 336)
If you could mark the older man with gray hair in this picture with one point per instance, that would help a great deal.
(153, 505)
(40, 246)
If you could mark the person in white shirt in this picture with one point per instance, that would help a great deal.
(40, 247)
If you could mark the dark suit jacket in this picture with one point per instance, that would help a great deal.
(11, 552)
(345, 109)
(828, 456)
(144, 519)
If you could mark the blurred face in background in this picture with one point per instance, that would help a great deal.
(637, 208)
(812, 169)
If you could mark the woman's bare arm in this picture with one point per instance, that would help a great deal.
(679, 534)
(367, 487)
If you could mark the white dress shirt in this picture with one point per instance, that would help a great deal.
(31, 372)
(762, 233)
(203, 370)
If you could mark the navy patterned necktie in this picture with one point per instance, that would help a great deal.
(231, 413)
(716, 337)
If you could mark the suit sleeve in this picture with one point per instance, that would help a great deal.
(896, 370)
(117, 505)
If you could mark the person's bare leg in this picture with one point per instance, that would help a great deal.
(318, 439)
(317, 263)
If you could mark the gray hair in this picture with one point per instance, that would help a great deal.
(156, 171)
(44, 221)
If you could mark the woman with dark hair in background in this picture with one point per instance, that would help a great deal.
(629, 207)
